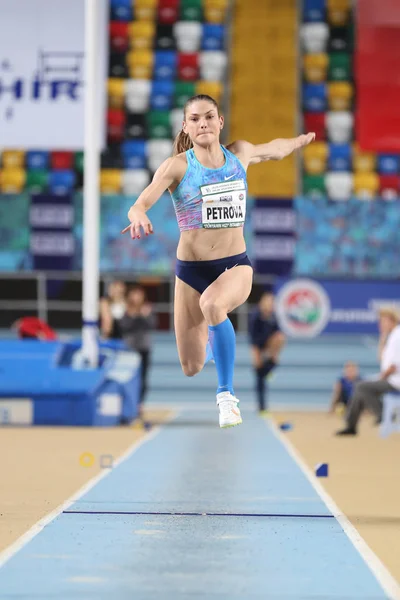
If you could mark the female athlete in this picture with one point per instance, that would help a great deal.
(208, 186)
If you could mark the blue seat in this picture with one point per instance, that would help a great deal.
(339, 157)
(314, 97)
(314, 11)
(62, 182)
(121, 10)
(161, 97)
(388, 164)
(37, 160)
(213, 36)
(134, 154)
(165, 64)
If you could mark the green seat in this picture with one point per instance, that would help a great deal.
(339, 66)
(191, 10)
(314, 185)
(36, 180)
(183, 91)
(158, 125)
(78, 160)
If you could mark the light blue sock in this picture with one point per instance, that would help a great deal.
(209, 354)
(223, 343)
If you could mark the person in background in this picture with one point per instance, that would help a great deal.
(368, 394)
(266, 341)
(344, 386)
(112, 309)
(136, 326)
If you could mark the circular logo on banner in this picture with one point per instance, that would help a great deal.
(303, 308)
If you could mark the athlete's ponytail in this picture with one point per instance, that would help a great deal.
(182, 140)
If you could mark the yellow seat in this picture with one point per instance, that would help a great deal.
(116, 92)
(145, 10)
(110, 181)
(215, 10)
(140, 64)
(210, 88)
(12, 159)
(141, 34)
(12, 180)
(340, 95)
(315, 158)
(315, 67)
(363, 162)
(366, 185)
(338, 12)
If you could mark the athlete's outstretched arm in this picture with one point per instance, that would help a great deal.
(163, 178)
(251, 154)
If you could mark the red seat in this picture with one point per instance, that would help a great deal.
(61, 161)
(115, 124)
(389, 186)
(119, 36)
(168, 11)
(315, 122)
(188, 67)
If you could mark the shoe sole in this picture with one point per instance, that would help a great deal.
(231, 424)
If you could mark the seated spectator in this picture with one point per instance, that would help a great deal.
(112, 309)
(344, 387)
(368, 394)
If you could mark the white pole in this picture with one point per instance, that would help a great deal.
(91, 211)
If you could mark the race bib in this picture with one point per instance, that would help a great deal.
(224, 204)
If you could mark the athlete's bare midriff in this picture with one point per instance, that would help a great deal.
(207, 244)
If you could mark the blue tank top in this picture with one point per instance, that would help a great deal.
(211, 198)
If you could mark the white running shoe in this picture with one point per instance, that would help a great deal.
(229, 413)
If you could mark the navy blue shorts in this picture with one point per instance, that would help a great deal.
(200, 274)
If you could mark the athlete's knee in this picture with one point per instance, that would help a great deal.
(191, 368)
(214, 312)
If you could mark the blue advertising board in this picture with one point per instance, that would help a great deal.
(308, 307)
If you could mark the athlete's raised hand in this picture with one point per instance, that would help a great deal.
(304, 140)
(138, 219)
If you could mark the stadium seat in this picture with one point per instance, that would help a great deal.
(340, 95)
(188, 67)
(388, 164)
(315, 67)
(140, 64)
(137, 95)
(134, 154)
(119, 38)
(339, 125)
(366, 185)
(183, 91)
(314, 185)
(314, 37)
(315, 122)
(213, 36)
(314, 97)
(162, 93)
(215, 10)
(339, 185)
(111, 158)
(340, 156)
(363, 162)
(115, 124)
(176, 120)
(136, 126)
(110, 181)
(339, 12)
(61, 161)
(165, 64)
(339, 66)
(116, 93)
(191, 10)
(210, 88)
(121, 10)
(315, 158)
(213, 65)
(141, 35)
(37, 159)
(12, 180)
(134, 181)
(158, 123)
(13, 159)
(37, 181)
(62, 182)
(165, 38)
(313, 10)
(145, 10)
(389, 187)
(339, 39)
(168, 11)
(117, 65)
(79, 161)
(188, 36)
(159, 150)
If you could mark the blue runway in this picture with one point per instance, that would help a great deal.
(196, 512)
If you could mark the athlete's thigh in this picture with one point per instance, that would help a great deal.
(231, 289)
(191, 329)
